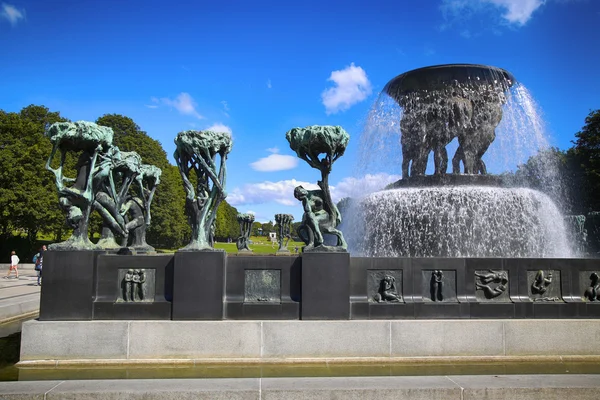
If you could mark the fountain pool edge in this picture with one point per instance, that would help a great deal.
(124, 342)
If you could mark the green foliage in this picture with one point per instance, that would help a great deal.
(227, 226)
(28, 199)
(586, 155)
(268, 227)
(255, 227)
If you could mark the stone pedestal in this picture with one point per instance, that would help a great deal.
(118, 299)
(198, 285)
(68, 285)
(262, 288)
(325, 286)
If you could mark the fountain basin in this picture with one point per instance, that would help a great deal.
(438, 77)
(460, 221)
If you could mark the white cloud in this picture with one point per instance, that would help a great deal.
(275, 162)
(514, 12)
(351, 87)
(273, 150)
(518, 11)
(269, 84)
(219, 127)
(359, 187)
(184, 103)
(282, 192)
(151, 106)
(12, 14)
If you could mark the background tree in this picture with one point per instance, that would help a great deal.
(268, 227)
(255, 229)
(28, 199)
(227, 226)
(586, 156)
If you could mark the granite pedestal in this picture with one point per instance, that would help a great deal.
(68, 289)
(118, 299)
(325, 286)
(263, 287)
(198, 285)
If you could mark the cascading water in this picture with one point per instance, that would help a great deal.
(454, 215)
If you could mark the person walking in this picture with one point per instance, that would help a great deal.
(39, 263)
(14, 264)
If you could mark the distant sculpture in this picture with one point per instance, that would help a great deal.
(592, 293)
(320, 213)
(90, 141)
(437, 285)
(197, 151)
(387, 291)
(492, 283)
(245, 221)
(284, 223)
(541, 282)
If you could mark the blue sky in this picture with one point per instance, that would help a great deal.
(261, 68)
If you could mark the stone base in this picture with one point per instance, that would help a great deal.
(68, 285)
(302, 341)
(262, 288)
(325, 286)
(198, 285)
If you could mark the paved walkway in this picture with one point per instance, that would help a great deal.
(19, 297)
(482, 387)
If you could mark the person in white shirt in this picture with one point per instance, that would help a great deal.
(14, 264)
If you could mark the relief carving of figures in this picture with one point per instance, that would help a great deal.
(321, 215)
(134, 285)
(128, 286)
(592, 293)
(197, 151)
(245, 221)
(492, 283)
(541, 285)
(387, 291)
(284, 224)
(437, 285)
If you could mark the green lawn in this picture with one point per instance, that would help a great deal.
(259, 246)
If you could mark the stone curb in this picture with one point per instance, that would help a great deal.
(482, 387)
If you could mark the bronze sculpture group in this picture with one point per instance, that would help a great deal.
(320, 147)
(116, 184)
(120, 187)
